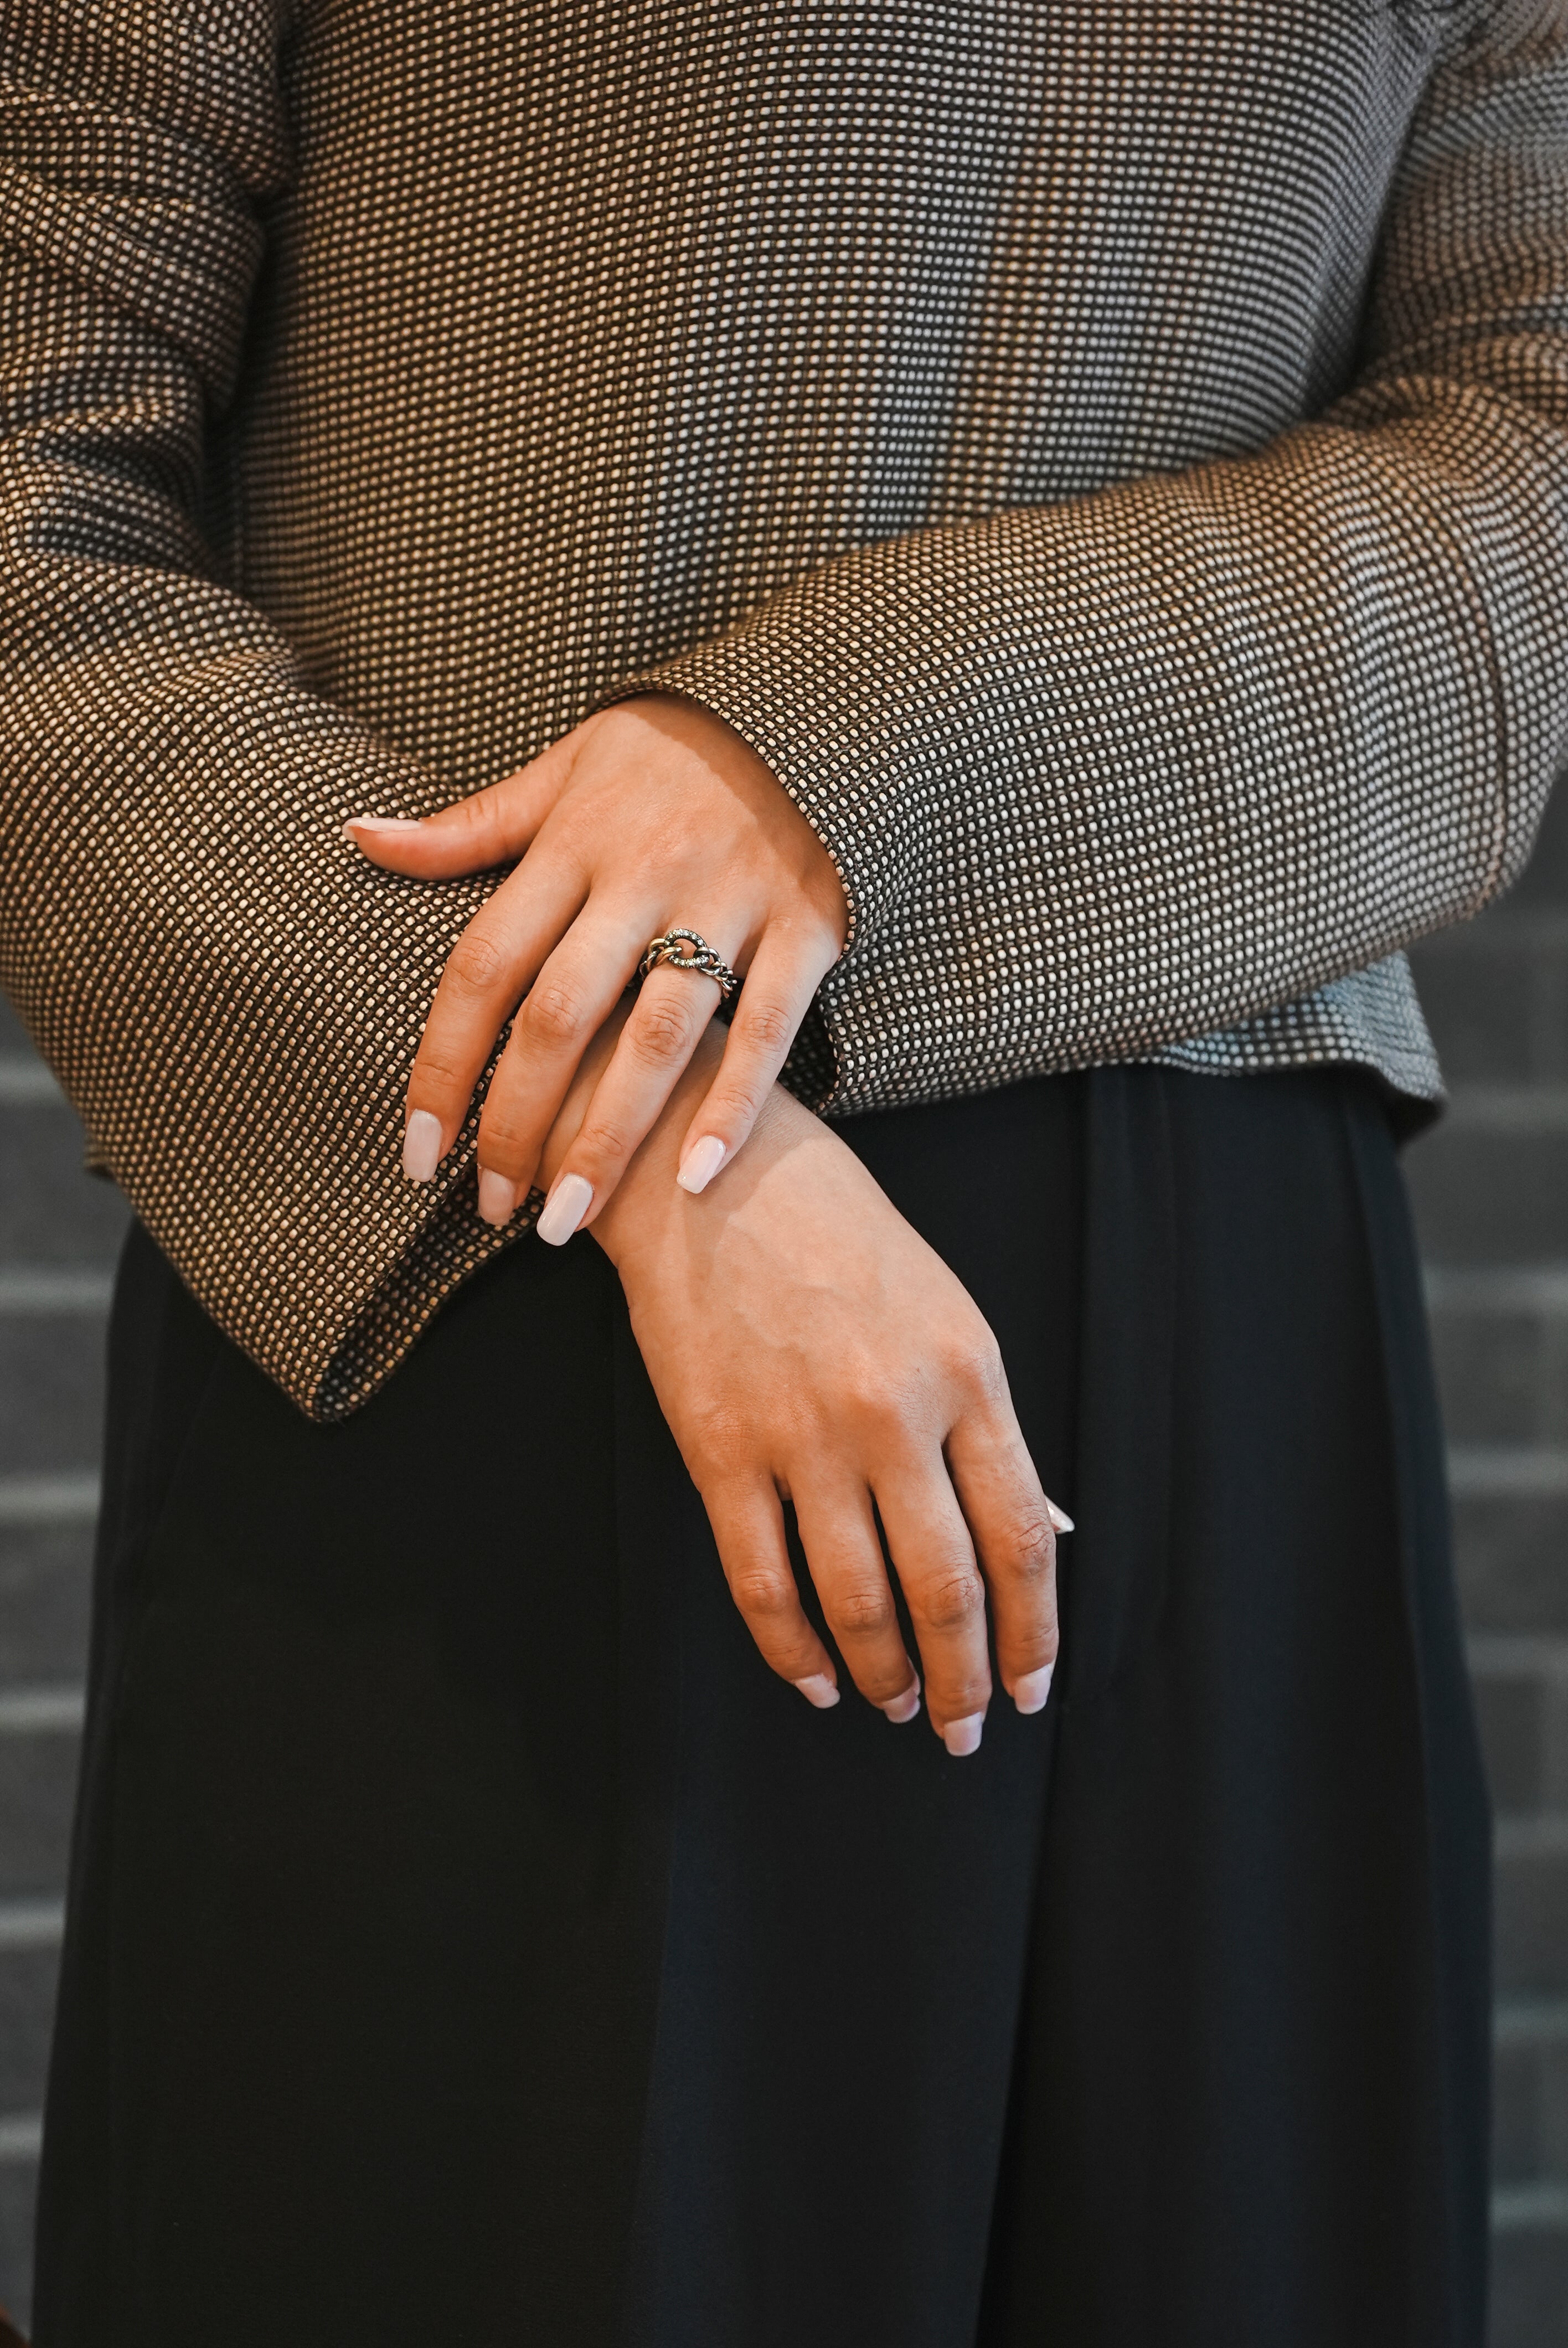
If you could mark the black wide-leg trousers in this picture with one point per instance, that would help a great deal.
(471, 1942)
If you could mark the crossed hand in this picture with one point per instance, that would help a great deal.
(806, 1345)
(650, 814)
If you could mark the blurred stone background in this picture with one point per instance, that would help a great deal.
(1490, 1186)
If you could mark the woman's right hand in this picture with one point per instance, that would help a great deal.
(806, 1344)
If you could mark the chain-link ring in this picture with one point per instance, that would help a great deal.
(701, 960)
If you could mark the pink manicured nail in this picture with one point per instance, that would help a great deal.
(902, 1707)
(818, 1689)
(1033, 1688)
(701, 1163)
(497, 1197)
(1059, 1518)
(565, 1208)
(422, 1145)
(962, 1738)
(381, 823)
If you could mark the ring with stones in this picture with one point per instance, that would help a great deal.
(689, 949)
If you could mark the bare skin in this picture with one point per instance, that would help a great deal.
(649, 813)
(805, 1344)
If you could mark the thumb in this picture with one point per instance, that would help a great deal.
(491, 827)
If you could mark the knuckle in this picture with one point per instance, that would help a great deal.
(435, 1072)
(479, 810)
(503, 1138)
(765, 1593)
(476, 965)
(954, 1599)
(1030, 1544)
(555, 1012)
(861, 1609)
(716, 1439)
(767, 1026)
(661, 1029)
(603, 1144)
(884, 1402)
(733, 1106)
(976, 1365)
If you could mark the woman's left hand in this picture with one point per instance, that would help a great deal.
(649, 815)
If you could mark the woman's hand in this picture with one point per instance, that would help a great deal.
(806, 1344)
(650, 814)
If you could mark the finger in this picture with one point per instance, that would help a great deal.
(838, 1534)
(673, 1009)
(935, 1560)
(787, 969)
(490, 968)
(1011, 1520)
(748, 1525)
(658, 1040)
(491, 827)
(568, 1003)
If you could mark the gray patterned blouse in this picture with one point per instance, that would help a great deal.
(1110, 460)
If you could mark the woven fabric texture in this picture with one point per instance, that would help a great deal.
(1110, 460)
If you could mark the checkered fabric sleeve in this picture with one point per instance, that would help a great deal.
(227, 998)
(1134, 767)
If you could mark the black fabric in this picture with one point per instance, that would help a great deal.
(470, 1941)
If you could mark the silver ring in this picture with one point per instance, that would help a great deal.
(701, 959)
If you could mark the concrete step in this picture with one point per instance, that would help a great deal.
(18, 2195)
(1501, 1341)
(1529, 2283)
(1495, 992)
(1522, 1703)
(1545, 879)
(1521, 1700)
(45, 1590)
(1511, 1548)
(1489, 1182)
(51, 1210)
(1530, 2141)
(27, 1978)
(40, 1729)
(1531, 1890)
(51, 1390)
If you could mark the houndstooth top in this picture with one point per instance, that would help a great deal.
(1110, 457)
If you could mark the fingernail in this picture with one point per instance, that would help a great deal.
(701, 1163)
(903, 1707)
(818, 1689)
(1059, 1518)
(962, 1738)
(497, 1197)
(565, 1208)
(422, 1145)
(1033, 1688)
(381, 823)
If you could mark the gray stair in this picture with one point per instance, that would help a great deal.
(1490, 1191)
(59, 1232)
